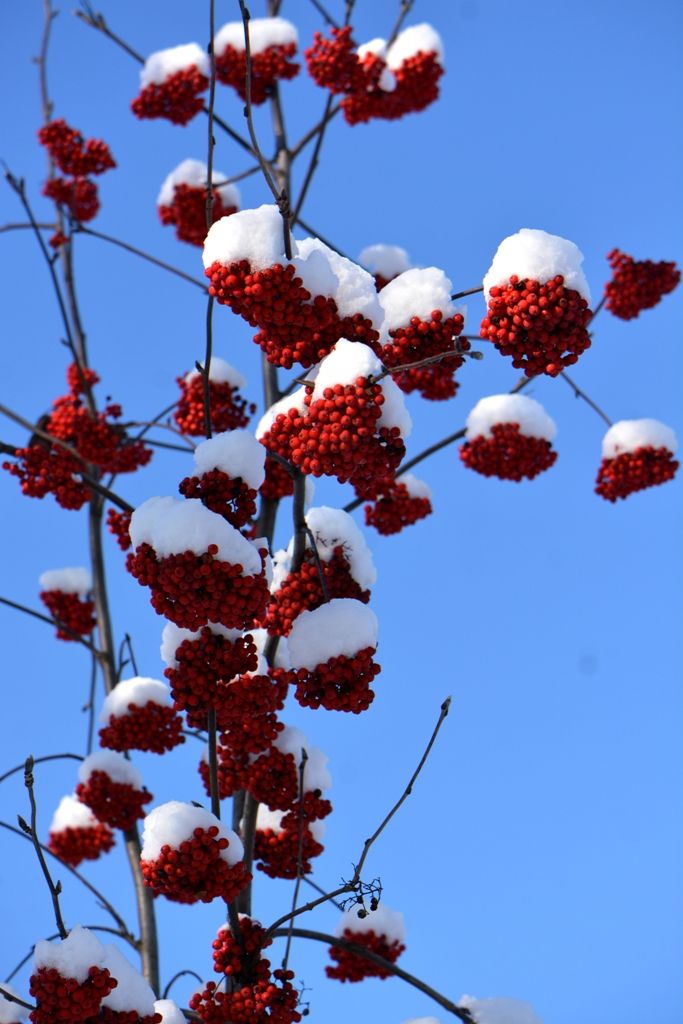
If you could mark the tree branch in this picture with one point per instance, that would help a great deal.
(31, 830)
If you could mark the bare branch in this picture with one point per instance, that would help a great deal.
(299, 854)
(81, 229)
(39, 760)
(32, 832)
(15, 999)
(248, 108)
(578, 393)
(177, 976)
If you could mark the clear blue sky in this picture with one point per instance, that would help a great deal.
(539, 856)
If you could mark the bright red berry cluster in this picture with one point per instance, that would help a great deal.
(231, 498)
(177, 98)
(271, 65)
(188, 213)
(117, 804)
(333, 63)
(67, 1000)
(508, 454)
(77, 158)
(73, 845)
(277, 850)
(422, 339)
(637, 284)
(240, 957)
(542, 326)
(396, 508)
(71, 611)
(353, 966)
(263, 1001)
(118, 524)
(302, 590)
(634, 471)
(205, 666)
(48, 469)
(79, 195)
(233, 766)
(195, 871)
(278, 482)
(341, 684)
(149, 726)
(229, 410)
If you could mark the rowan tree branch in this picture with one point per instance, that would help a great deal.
(31, 830)
(81, 229)
(39, 760)
(55, 623)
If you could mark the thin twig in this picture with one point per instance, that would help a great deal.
(315, 158)
(25, 226)
(90, 707)
(597, 309)
(248, 107)
(32, 831)
(176, 977)
(318, 562)
(81, 229)
(299, 854)
(39, 760)
(404, 11)
(323, 892)
(55, 623)
(213, 763)
(470, 291)
(311, 133)
(91, 17)
(327, 242)
(15, 999)
(578, 393)
(324, 13)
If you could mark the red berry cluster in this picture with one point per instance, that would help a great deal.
(508, 454)
(542, 326)
(117, 804)
(637, 284)
(353, 966)
(267, 67)
(77, 158)
(396, 508)
(229, 410)
(188, 213)
(240, 957)
(204, 668)
(277, 851)
(192, 590)
(177, 98)
(195, 871)
(278, 482)
(417, 86)
(263, 1001)
(109, 1016)
(147, 726)
(338, 436)
(274, 780)
(73, 845)
(333, 63)
(341, 684)
(634, 471)
(118, 524)
(302, 590)
(71, 611)
(229, 497)
(67, 1000)
(48, 469)
(422, 339)
(233, 768)
(435, 382)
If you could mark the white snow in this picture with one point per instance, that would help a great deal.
(170, 1013)
(173, 636)
(331, 528)
(422, 1020)
(272, 820)
(161, 65)
(382, 921)
(11, 1013)
(386, 260)
(115, 765)
(416, 293)
(535, 254)
(235, 452)
(628, 435)
(253, 235)
(293, 401)
(415, 39)
(194, 174)
(220, 372)
(139, 690)
(377, 47)
(355, 290)
(69, 581)
(132, 991)
(73, 956)
(340, 626)
(316, 776)
(349, 360)
(174, 822)
(172, 526)
(500, 1010)
(416, 488)
(71, 813)
(532, 418)
(263, 32)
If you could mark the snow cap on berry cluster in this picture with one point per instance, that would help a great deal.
(138, 691)
(116, 766)
(132, 992)
(349, 360)
(173, 636)
(69, 581)
(73, 956)
(500, 1010)
(220, 372)
(378, 48)
(172, 526)
(293, 401)
(354, 289)
(416, 293)
(267, 820)
(532, 418)
(386, 260)
(253, 235)
(170, 1013)
(415, 487)
(194, 174)
(263, 32)
(235, 452)
(535, 254)
(331, 528)
(316, 776)
(342, 626)
(173, 823)
(421, 38)
(629, 435)
(382, 921)
(161, 65)
(71, 813)
(11, 1013)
